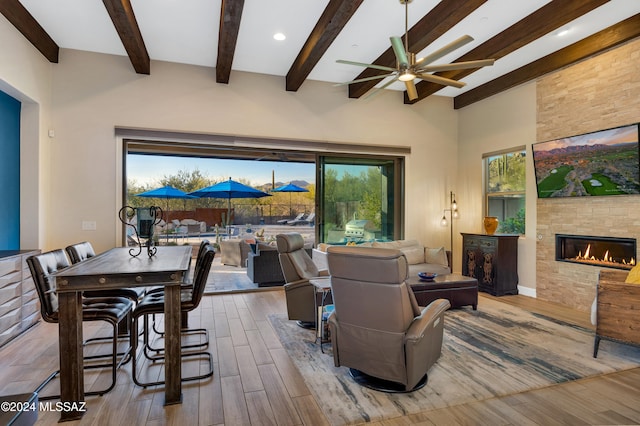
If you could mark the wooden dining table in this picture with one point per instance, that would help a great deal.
(114, 269)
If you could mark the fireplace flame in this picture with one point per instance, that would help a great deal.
(606, 258)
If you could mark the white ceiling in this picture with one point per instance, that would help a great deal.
(186, 31)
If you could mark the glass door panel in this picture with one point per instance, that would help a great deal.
(359, 199)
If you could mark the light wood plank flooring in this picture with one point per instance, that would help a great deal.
(256, 383)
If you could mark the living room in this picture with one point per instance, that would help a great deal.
(75, 114)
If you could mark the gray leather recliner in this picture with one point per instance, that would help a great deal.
(298, 269)
(377, 327)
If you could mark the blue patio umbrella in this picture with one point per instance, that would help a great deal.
(290, 188)
(229, 189)
(166, 192)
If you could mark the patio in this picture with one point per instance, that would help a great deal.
(230, 279)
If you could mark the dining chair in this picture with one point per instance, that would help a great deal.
(153, 303)
(82, 251)
(113, 310)
(184, 315)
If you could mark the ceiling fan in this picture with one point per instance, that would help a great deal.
(408, 68)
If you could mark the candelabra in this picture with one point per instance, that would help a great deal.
(146, 220)
(453, 211)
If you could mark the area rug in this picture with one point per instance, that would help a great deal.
(495, 351)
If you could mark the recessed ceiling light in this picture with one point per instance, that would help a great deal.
(562, 32)
(279, 36)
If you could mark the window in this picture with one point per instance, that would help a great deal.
(359, 198)
(505, 189)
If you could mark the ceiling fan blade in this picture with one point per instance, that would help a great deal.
(379, 89)
(441, 80)
(362, 64)
(457, 66)
(398, 49)
(360, 80)
(411, 90)
(456, 44)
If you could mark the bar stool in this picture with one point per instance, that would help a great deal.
(190, 298)
(113, 310)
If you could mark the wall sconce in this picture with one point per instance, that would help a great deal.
(453, 211)
(146, 220)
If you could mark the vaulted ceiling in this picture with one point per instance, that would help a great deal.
(528, 38)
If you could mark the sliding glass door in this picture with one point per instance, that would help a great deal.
(359, 198)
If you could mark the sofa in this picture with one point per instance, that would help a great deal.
(419, 257)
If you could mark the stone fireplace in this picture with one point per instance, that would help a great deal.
(610, 252)
(574, 283)
(598, 93)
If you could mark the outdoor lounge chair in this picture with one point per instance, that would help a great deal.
(306, 221)
(286, 221)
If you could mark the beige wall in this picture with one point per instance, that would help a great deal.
(501, 122)
(26, 75)
(93, 93)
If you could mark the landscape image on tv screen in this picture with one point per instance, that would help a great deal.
(599, 163)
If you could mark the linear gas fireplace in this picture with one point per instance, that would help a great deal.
(609, 252)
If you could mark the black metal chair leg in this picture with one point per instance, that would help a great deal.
(134, 368)
(114, 364)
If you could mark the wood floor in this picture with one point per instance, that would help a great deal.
(255, 382)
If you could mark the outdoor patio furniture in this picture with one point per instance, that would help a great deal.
(234, 252)
(306, 221)
(286, 221)
(263, 266)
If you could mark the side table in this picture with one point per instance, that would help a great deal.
(322, 288)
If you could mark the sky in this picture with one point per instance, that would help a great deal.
(618, 135)
(149, 169)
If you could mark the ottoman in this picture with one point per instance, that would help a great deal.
(459, 290)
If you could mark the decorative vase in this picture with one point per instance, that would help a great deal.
(490, 224)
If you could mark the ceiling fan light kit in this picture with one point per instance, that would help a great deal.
(408, 68)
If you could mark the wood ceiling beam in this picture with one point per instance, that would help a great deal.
(24, 22)
(434, 24)
(333, 19)
(230, 16)
(124, 20)
(544, 20)
(608, 38)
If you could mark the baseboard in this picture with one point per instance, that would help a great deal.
(527, 291)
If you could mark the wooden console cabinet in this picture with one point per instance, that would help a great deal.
(19, 307)
(493, 261)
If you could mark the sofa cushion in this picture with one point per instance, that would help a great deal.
(436, 256)
(414, 255)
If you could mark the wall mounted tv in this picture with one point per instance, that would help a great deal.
(606, 162)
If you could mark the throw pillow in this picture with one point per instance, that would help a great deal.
(634, 276)
(398, 244)
(414, 255)
(436, 256)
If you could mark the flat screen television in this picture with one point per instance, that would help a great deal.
(606, 162)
